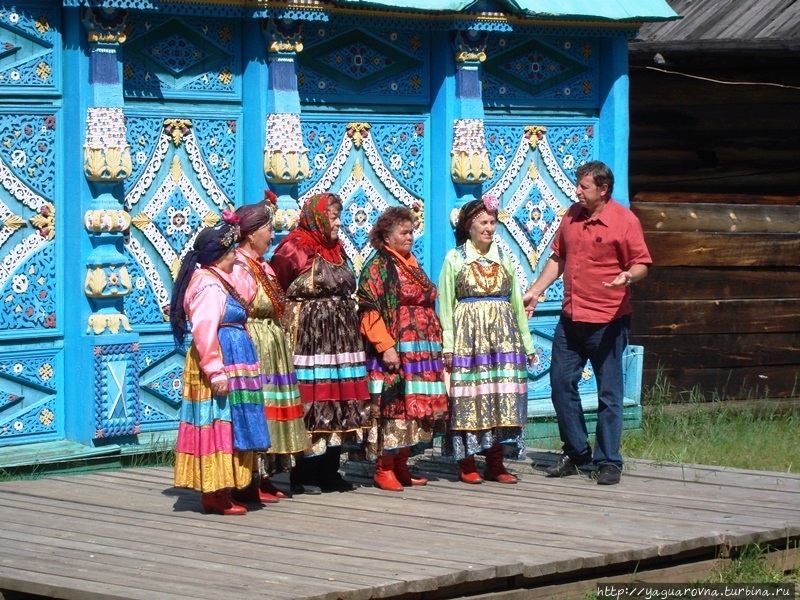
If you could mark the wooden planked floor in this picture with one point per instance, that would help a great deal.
(130, 534)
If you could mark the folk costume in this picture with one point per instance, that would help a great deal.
(266, 302)
(486, 330)
(397, 306)
(328, 352)
(218, 436)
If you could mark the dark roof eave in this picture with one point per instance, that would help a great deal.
(638, 48)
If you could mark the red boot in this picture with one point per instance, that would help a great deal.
(220, 502)
(252, 494)
(384, 475)
(495, 471)
(267, 487)
(401, 471)
(467, 471)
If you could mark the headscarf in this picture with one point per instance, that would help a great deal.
(470, 211)
(314, 229)
(253, 217)
(211, 244)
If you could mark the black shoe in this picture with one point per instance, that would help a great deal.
(608, 475)
(565, 466)
(304, 488)
(336, 483)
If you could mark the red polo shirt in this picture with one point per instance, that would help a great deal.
(594, 251)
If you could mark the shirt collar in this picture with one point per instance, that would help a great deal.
(603, 217)
(472, 254)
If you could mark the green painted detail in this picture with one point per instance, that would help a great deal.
(545, 429)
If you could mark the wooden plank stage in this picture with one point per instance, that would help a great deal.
(129, 534)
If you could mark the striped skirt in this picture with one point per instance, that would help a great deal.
(218, 437)
(488, 383)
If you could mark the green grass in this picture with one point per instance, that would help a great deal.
(753, 435)
(751, 566)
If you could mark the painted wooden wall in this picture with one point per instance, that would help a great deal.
(124, 132)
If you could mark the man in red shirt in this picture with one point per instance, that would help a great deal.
(600, 251)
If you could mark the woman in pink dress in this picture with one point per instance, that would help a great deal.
(222, 422)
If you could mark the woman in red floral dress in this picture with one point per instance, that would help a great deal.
(404, 350)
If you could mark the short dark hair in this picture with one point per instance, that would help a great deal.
(599, 171)
(389, 219)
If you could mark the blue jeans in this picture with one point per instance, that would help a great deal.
(602, 344)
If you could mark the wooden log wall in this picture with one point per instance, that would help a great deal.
(708, 121)
(720, 309)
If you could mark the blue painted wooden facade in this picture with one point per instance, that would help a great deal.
(127, 126)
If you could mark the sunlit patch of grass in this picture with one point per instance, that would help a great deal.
(756, 436)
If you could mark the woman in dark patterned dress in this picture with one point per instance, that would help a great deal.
(486, 340)
(322, 325)
(404, 350)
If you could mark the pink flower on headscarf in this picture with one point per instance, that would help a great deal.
(230, 217)
(491, 202)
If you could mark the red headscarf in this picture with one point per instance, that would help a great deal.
(314, 228)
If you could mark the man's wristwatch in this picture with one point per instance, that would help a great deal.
(628, 279)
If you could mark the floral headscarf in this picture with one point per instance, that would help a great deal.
(314, 228)
(470, 211)
(211, 244)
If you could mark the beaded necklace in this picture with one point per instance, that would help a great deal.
(418, 276)
(269, 285)
(486, 278)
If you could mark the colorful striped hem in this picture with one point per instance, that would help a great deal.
(284, 413)
(490, 374)
(305, 360)
(425, 388)
(470, 391)
(488, 359)
(313, 374)
(420, 346)
(205, 441)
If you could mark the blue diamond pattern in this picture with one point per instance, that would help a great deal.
(175, 222)
(356, 60)
(166, 384)
(175, 53)
(534, 67)
(358, 217)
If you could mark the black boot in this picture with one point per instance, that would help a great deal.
(301, 480)
(330, 480)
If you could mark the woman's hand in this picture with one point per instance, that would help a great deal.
(219, 387)
(531, 360)
(447, 358)
(391, 360)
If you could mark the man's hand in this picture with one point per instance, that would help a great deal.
(624, 279)
(530, 300)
